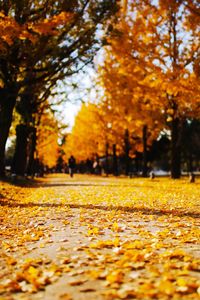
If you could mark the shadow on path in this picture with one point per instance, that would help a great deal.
(48, 185)
(31, 183)
(34, 184)
(66, 182)
(147, 211)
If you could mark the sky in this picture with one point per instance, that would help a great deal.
(69, 112)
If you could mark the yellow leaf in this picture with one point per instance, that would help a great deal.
(33, 271)
(115, 227)
(115, 276)
(166, 287)
(181, 282)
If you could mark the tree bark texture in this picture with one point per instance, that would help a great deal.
(127, 150)
(115, 163)
(106, 162)
(144, 141)
(20, 158)
(176, 149)
(6, 111)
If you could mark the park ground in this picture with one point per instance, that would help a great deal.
(100, 238)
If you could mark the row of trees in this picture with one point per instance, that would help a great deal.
(150, 80)
(41, 43)
(124, 151)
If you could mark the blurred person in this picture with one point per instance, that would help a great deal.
(71, 165)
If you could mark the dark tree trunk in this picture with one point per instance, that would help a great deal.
(106, 162)
(137, 167)
(6, 111)
(190, 163)
(127, 149)
(21, 150)
(144, 141)
(115, 163)
(31, 152)
(175, 149)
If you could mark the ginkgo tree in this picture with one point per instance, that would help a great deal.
(161, 54)
(95, 134)
(42, 42)
(47, 147)
(88, 136)
(24, 26)
(129, 99)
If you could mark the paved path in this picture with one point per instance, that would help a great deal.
(98, 238)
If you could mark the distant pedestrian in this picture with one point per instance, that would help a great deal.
(152, 175)
(191, 177)
(97, 167)
(71, 165)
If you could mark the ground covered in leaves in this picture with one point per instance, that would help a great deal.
(100, 238)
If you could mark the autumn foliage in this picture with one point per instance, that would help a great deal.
(41, 44)
(149, 77)
(11, 30)
(47, 149)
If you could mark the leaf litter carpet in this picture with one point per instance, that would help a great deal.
(100, 238)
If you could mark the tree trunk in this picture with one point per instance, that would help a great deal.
(21, 154)
(31, 152)
(106, 162)
(127, 149)
(175, 149)
(115, 164)
(6, 111)
(190, 163)
(137, 167)
(144, 141)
